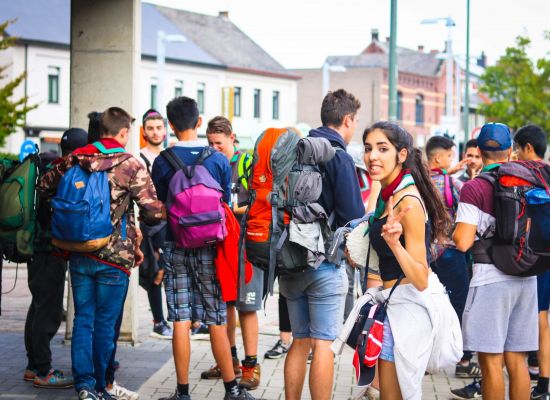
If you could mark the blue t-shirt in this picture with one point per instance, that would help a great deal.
(217, 164)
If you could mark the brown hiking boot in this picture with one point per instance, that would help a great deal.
(216, 373)
(251, 377)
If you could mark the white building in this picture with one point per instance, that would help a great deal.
(218, 65)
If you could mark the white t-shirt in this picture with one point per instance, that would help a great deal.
(476, 208)
(149, 155)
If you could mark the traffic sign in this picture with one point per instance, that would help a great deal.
(27, 147)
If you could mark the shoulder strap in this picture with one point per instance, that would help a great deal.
(175, 162)
(416, 197)
(207, 151)
(146, 161)
(489, 176)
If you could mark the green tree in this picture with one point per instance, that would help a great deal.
(518, 88)
(12, 112)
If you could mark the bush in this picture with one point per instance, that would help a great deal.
(9, 156)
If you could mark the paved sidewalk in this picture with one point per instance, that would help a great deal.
(148, 366)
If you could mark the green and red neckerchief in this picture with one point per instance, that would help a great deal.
(403, 180)
(491, 167)
(103, 145)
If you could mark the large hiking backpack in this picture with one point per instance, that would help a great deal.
(520, 244)
(196, 214)
(18, 207)
(81, 218)
(283, 204)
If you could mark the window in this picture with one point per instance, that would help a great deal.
(419, 109)
(53, 85)
(275, 104)
(178, 88)
(236, 101)
(257, 98)
(153, 93)
(399, 111)
(200, 96)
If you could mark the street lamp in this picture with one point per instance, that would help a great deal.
(162, 39)
(449, 23)
(327, 69)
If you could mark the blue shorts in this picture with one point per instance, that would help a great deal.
(315, 299)
(543, 290)
(387, 343)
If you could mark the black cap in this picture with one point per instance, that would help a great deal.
(149, 113)
(72, 139)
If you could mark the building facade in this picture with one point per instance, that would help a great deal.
(217, 65)
(421, 88)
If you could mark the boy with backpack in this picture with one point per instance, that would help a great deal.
(222, 138)
(46, 279)
(185, 172)
(103, 240)
(500, 319)
(530, 142)
(316, 296)
(448, 263)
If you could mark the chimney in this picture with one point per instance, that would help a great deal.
(223, 14)
(421, 48)
(374, 35)
(482, 60)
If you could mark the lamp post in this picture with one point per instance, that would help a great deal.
(162, 39)
(449, 23)
(392, 70)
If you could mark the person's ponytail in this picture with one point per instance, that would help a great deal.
(440, 222)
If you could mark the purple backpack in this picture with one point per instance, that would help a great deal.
(196, 214)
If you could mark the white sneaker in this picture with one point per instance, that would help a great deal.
(121, 393)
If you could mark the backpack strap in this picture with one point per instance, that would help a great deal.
(146, 161)
(243, 170)
(177, 163)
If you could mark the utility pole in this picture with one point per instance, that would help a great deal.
(467, 78)
(392, 71)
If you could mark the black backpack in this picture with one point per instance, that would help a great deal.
(520, 242)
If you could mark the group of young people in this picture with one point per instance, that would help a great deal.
(424, 221)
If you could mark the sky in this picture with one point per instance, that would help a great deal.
(302, 33)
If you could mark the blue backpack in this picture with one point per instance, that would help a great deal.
(81, 219)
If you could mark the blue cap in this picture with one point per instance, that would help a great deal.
(495, 132)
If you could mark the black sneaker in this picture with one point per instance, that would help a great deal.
(471, 370)
(161, 330)
(86, 394)
(277, 351)
(244, 395)
(536, 395)
(177, 396)
(471, 391)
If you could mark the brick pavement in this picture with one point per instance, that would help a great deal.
(148, 366)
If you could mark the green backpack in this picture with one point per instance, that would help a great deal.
(18, 207)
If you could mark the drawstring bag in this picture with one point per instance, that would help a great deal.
(366, 337)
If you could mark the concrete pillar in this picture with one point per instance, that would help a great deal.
(105, 60)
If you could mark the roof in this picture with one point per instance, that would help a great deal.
(210, 40)
(376, 53)
(224, 40)
(424, 64)
(152, 21)
(39, 21)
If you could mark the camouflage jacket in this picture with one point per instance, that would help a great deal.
(129, 182)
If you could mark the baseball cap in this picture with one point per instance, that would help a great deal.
(72, 139)
(149, 113)
(495, 132)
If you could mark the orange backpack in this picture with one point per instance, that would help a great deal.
(273, 183)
